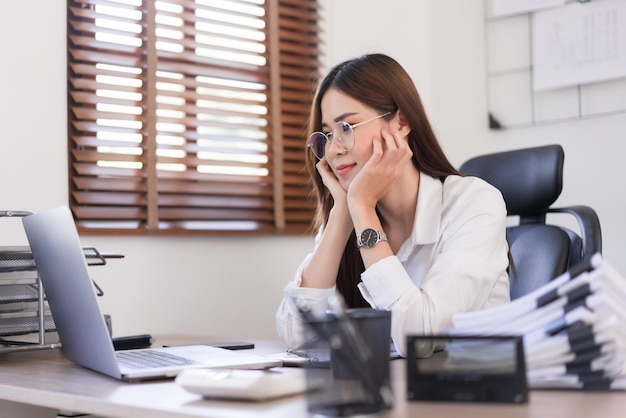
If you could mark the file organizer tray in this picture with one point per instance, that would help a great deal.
(24, 311)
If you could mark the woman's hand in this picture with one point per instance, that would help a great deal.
(390, 155)
(321, 272)
(332, 184)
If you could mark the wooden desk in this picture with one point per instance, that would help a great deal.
(39, 383)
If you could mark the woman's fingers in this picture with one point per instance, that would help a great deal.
(330, 181)
(390, 153)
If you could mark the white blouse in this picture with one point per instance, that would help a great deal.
(454, 261)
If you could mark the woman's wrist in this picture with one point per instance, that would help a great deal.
(363, 213)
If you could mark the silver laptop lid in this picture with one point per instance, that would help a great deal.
(62, 267)
(85, 338)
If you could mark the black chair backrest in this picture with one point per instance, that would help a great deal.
(530, 181)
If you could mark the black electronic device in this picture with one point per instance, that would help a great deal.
(228, 345)
(466, 369)
(234, 345)
(132, 342)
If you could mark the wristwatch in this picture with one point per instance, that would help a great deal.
(370, 237)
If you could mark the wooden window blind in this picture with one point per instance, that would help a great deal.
(190, 116)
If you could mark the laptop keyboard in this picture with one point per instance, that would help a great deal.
(149, 359)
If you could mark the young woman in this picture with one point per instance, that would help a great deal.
(399, 228)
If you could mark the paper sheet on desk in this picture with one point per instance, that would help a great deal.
(321, 358)
(301, 358)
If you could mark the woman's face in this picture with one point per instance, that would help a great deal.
(338, 107)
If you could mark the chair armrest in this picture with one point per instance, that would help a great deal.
(589, 222)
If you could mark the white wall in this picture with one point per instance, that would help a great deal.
(441, 43)
(216, 286)
(231, 286)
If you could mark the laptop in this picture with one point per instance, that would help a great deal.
(81, 327)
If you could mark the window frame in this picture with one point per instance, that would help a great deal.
(281, 203)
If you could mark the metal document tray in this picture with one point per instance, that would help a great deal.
(23, 308)
(24, 311)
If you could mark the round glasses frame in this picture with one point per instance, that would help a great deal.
(343, 131)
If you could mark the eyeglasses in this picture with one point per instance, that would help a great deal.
(343, 132)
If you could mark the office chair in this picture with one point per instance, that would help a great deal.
(531, 180)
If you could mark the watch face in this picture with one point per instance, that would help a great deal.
(369, 237)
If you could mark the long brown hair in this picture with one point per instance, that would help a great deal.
(379, 82)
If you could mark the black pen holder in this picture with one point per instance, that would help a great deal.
(349, 376)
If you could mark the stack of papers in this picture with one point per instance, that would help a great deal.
(573, 328)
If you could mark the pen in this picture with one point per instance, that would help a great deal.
(298, 353)
(359, 347)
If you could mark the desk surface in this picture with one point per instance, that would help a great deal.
(47, 379)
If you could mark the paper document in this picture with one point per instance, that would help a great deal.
(579, 43)
(573, 328)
